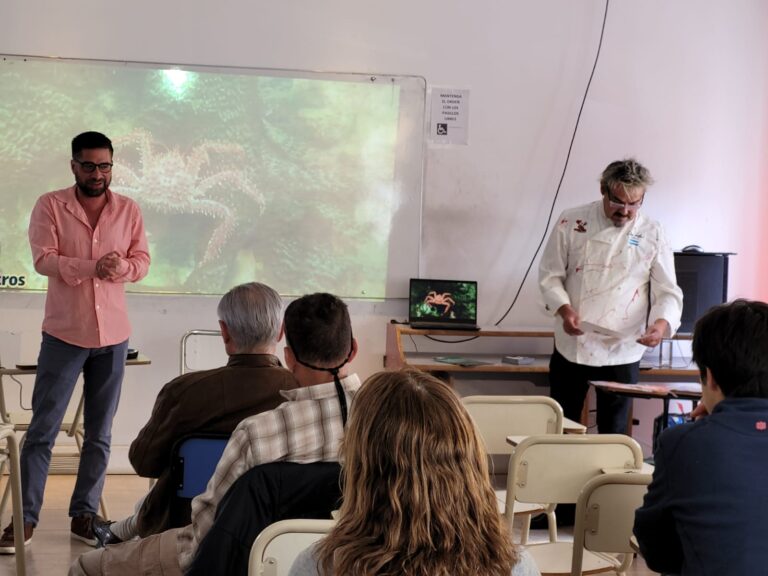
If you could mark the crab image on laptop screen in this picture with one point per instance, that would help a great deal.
(443, 304)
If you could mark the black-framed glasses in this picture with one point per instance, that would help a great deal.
(91, 166)
(628, 206)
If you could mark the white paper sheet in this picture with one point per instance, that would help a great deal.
(590, 327)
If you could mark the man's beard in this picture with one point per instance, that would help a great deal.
(620, 219)
(91, 191)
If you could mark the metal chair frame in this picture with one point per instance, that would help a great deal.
(9, 456)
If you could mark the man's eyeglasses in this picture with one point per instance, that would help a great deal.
(614, 202)
(90, 166)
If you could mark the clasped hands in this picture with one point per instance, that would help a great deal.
(652, 336)
(107, 266)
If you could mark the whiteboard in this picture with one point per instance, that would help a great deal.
(307, 181)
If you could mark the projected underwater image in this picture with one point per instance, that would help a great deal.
(240, 176)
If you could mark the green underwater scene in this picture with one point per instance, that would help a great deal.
(443, 299)
(240, 175)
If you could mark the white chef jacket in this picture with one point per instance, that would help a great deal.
(608, 274)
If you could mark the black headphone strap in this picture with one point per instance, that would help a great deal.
(336, 379)
(341, 395)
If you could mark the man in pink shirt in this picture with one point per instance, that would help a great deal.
(89, 242)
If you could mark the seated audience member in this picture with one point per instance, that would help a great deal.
(208, 401)
(262, 496)
(706, 510)
(416, 494)
(308, 427)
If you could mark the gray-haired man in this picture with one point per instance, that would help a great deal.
(210, 401)
(306, 428)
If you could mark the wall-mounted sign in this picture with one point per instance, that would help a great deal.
(449, 119)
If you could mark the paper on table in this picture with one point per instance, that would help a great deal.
(693, 387)
(462, 361)
(590, 327)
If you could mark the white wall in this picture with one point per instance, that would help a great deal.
(680, 85)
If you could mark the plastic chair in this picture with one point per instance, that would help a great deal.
(264, 495)
(183, 366)
(9, 456)
(500, 416)
(279, 544)
(193, 462)
(497, 417)
(605, 513)
(554, 469)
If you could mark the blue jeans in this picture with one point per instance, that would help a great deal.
(58, 367)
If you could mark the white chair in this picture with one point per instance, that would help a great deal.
(500, 416)
(497, 417)
(605, 514)
(9, 455)
(554, 469)
(183, 365)
(278, 545)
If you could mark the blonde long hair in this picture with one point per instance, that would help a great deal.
(417, 496)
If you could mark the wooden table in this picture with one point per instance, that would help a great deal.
(31, 369)
(397, 356)
(72, 423)
(665, 391)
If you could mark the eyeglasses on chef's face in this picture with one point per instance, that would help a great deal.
(89, 167)
(614, 202)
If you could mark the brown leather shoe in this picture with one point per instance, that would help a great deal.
(7, 542)
(82, 528)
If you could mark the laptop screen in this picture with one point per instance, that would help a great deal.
(442, 301)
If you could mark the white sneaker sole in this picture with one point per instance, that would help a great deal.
(12, 549)
(91, 542)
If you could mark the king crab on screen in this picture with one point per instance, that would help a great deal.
(434, 299)
(170, 181)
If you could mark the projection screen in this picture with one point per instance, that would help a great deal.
(305, 181)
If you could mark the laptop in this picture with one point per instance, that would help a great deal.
(442, 304)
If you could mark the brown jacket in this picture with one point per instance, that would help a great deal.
(210, 401)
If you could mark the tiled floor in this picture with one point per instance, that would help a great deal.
(52, 550)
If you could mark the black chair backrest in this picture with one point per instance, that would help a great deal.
(262, 496)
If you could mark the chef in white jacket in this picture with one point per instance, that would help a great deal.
(608, 274)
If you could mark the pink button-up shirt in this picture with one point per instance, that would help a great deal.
(80, 308)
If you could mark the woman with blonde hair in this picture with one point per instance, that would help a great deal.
(417, 497)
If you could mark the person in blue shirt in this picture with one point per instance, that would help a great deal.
(706, 510)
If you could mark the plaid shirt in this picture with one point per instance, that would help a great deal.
(305, 429)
